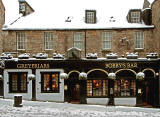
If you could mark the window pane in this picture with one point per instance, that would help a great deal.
(50, 82)
(46, 86)
(90, 16)
(18, 82)
(78, 40)
(89, 87)
(135, 17)
(48, 40)
(54, 82)
(105, 87)
(125, 87)
(139, 40)
(20, 40)
(23, 82)
(106, 40)
(14, 82)
(97, 87)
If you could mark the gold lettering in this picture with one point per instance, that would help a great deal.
(33, 66)
(128, 65)
(47, 66)
(121, 65)
(107, 65)
(124, 65)
(135, 65)
(117, 65)
(113, 65)
(29, 65)
(41, 66)
(19, 65)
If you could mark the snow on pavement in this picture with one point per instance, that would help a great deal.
(53, 109)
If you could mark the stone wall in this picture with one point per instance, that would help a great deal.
(2, 18)
(156, 22)
(63, 40)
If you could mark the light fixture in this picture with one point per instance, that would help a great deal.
(112, 76)
(140, 76)
(82, 76)
(64, 76)
(31, 76)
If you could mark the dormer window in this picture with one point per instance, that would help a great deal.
(90, 16)
(134, 16)
(25, 8)
(22, 7)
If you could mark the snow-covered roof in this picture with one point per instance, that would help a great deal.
(51, 14)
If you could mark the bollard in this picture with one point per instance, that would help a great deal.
(17, 101)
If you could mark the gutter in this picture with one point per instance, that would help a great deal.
(98, 28)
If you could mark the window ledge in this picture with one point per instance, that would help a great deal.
(49, 92)
(48, 49)
(139, 49)
(21, 49)
(97, 96)
(106, 50)
(124, 96)
(17, 92)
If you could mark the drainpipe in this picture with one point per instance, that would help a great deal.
(85, 43)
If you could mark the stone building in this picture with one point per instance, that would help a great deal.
(110, 47)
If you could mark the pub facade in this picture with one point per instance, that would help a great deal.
(97, 87)
(109, 57)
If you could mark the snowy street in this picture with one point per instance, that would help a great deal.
(52, 109)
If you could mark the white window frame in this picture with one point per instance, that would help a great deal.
(21, 40)
(78, 40)
(139, 40)
(135, 16)
(48, 40)
(106, 40)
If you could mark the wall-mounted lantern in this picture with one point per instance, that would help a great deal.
(64, 76)
(31, 77)
(112, 76)
(82, 76)
(140, 76)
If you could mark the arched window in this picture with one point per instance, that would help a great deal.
(97, 83)
(125, 84)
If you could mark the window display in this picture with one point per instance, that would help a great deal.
(97, 87)
(18, 82)
(50, 82)
(125, 87)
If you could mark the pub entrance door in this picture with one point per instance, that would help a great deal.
(74, 88)
(75, 91)
(145, 93)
